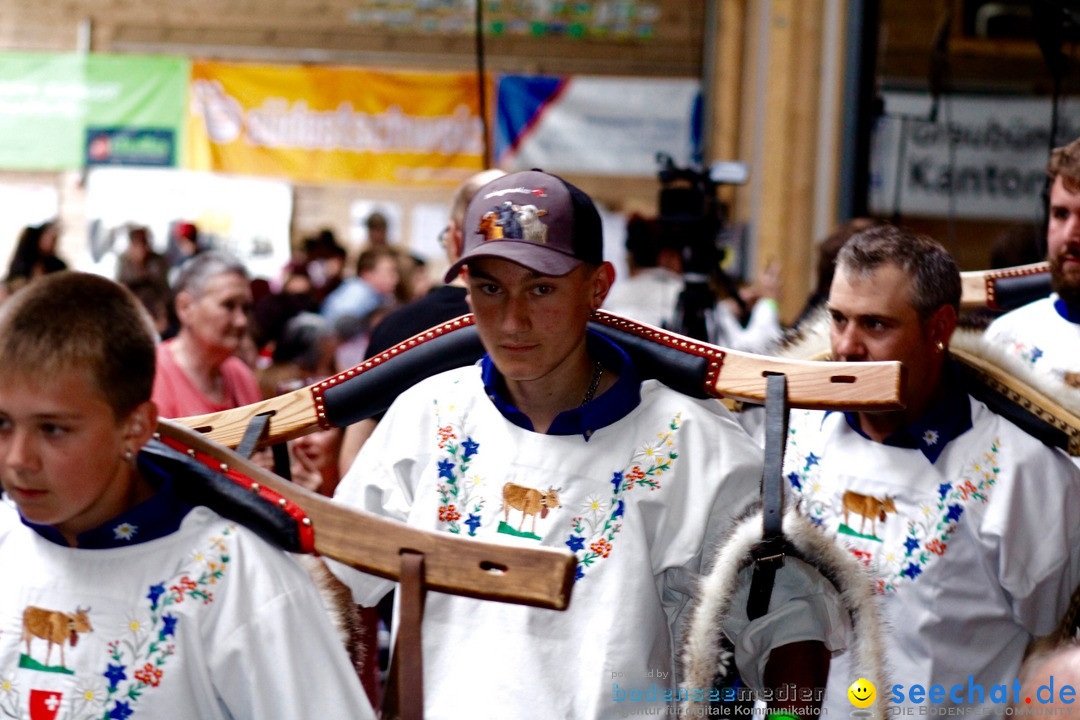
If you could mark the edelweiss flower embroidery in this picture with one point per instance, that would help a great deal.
(594, 504)
(930, 437)
(125, 531)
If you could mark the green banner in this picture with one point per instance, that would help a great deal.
(58, 110)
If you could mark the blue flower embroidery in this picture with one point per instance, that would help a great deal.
(793, 477)
(955, 511)
(470, 447)
(575, 543)
(115, 674)
(170, 626)
(616, 480)
(122, 711)
(943, 489)
(911, 544)
(156, 591)
(619, 510)
(811, 460)
(913, 571)
(1036, 354)
(446, 469)
(473, 522)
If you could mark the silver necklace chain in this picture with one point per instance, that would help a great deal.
(598, 372)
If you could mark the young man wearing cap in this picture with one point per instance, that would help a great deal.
(552, 440)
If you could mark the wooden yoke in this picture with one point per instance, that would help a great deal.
(539, 577)
(1004, 289)
(690, 366)
(423, 560)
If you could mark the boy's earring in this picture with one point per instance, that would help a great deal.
(129, 456)
(940, 346)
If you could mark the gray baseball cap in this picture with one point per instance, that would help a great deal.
(534, 219)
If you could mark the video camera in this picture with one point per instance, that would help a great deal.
(692, 219)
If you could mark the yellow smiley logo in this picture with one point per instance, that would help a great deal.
(862, 693)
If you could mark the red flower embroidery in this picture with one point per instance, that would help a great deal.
(446, 434)
(967, 488)
(149, 675)
(185, 584)
(863, 557)
(601, 547)
(936, 546)
(448, 514)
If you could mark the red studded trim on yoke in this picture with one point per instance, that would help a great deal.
(319, 388)
(303, 523)
(712, 353)
(994, 276)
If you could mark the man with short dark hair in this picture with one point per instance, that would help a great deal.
(966, 523)
(1045, 334)
(553, 441)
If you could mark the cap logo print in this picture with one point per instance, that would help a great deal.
(538, 192)
(513, 222)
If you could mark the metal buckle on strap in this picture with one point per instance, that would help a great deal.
(771, 559)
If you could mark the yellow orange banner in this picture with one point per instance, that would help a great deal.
(317, 124)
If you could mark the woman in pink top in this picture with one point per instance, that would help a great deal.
(198, 371)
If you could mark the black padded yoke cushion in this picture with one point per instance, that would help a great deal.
(661, 359)
(372, 386)
(1009, 293)
(378, 381)
(202, 480)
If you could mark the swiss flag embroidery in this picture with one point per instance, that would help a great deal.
(44, 704)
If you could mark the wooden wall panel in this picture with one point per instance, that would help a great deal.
(298, 31)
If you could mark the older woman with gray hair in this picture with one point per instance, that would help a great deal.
(198, 371)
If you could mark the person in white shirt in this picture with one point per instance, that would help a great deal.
(1045, 334)
(552, 440)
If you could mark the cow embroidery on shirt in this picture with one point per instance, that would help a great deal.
(56, 629)
(916, 538)
(136, 662)
(865, 507)
(530, 502)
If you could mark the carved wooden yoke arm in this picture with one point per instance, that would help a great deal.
(690, 366)
(539, 577)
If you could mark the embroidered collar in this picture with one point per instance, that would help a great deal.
(1072, 314)
(941, 424)
(153, 518)
(606, 409)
